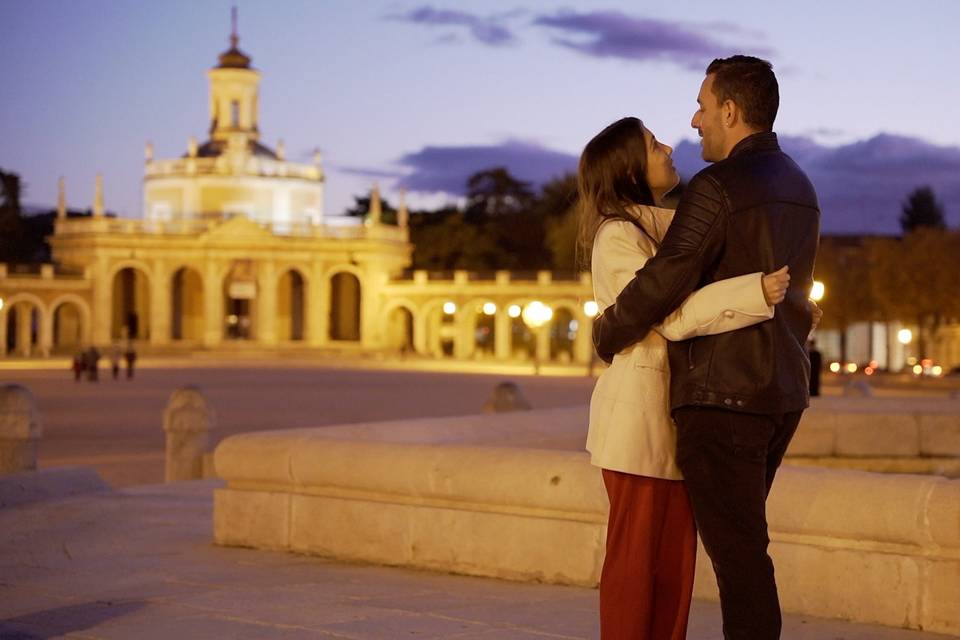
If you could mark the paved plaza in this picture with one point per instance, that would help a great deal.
(138, 564)
(116, 426)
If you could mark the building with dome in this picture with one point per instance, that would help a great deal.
(234, 251)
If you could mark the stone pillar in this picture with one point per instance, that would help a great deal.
(102, 304)
(542, 336)
(24, 329)
(266, 328)
(3, 333)
(583, 343)
(187, 421)
(501, 334)
(160, 305)
(212, 306)
(463, 337)
(45, 339)
(20, 429)
(316, 308)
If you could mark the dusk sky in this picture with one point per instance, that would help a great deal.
(424, 94)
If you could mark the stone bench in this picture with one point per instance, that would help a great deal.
(512, 496)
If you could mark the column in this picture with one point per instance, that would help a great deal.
(316, 311)
(102, 311)
(463, 337)
(501, 334)
(265, 332)
(3, 332)
(24, 313)
(160, 305)
(583, 343)
(212, 305)
(45, 339)
(543, 343)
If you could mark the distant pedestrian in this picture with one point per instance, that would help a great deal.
(115, 356)
(77, 366)
(93, 364)
(131, 357)
(816, 364)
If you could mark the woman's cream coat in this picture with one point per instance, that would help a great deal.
(630, 425)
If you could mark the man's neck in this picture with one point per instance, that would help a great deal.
(736, 138)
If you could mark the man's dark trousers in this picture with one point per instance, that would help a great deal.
(729, 460)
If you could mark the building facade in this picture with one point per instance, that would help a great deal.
(233, 250)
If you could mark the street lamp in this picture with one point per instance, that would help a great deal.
(489, 308)
(904, 336)
(591, 309)
(449, 308)
(817, 291)
(536, 315)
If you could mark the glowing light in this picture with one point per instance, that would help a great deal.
(926, 362)
(869, 371)
(489, 308)
(514, 311)
(911, 361)
(536, 314)
(874, 364)
(590, 308)
(851, 367)
(937, 370)
(817, 291)
(449, 308)
(904, 336)
(917, 369)
(835, 367)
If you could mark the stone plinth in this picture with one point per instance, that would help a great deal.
(187, 421)
(20, 429)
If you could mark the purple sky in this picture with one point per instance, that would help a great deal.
(423, 94)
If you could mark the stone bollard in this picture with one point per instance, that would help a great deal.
(188, 421)
(506, 397)
(20, 429)
(858, 389)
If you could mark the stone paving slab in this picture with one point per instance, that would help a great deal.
(138, 563)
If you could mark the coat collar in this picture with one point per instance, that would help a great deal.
(764, 141)
(656, 220)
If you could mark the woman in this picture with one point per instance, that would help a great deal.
(647, 579)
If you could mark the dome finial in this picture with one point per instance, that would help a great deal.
(234, 36)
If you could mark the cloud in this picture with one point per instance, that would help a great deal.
(862, 185)
(369, 172)
(613, 34)
(487, 30)
(445, 169)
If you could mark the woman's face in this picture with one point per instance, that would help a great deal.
(661, 174)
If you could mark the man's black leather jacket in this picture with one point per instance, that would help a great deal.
(754, 211)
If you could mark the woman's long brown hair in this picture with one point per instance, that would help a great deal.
(611, 178)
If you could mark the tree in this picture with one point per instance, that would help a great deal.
(12, 231)
(916, 279)
(494, 192)
(843, 265)
(921, 209)
(361, 206)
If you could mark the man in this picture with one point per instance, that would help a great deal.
(736, 397)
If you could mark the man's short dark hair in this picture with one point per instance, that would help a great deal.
(751, 84)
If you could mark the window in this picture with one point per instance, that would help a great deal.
(235, 114)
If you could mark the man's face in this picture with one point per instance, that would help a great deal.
(707, 121)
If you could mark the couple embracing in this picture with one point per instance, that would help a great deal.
(705, 321)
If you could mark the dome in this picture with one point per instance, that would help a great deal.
(233, 58)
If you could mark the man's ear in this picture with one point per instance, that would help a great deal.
(729, 114)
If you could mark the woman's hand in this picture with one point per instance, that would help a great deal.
(775, 286)
(817, 314)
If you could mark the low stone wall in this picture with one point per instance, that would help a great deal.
(511, 496)
(879, 427)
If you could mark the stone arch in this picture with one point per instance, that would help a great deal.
(292, 304)
(523, 341)
(479, 327)
(563, 327)
(438, 328)
(23, 316)
(68, 330)
(346, 296)
(187, 291)
(400, 333)
(130, 284)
